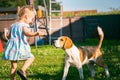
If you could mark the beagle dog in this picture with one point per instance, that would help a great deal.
(83, 55)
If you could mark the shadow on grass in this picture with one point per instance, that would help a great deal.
(72, 75)
(45, 76)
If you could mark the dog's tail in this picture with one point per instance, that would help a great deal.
(101, 35)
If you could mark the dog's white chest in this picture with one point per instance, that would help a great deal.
(73, 55)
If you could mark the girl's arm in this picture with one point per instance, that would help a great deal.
(28, 33)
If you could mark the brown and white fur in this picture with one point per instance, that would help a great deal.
(83, 55)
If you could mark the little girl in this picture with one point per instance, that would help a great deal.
(17, 47)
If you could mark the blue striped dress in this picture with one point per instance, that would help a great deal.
(17, 47)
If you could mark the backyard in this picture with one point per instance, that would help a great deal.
(49, 63)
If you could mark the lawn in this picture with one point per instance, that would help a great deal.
(49, 63)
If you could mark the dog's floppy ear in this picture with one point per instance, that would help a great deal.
(68, 43)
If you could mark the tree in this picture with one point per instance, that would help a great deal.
(15, 3)
(12, 3)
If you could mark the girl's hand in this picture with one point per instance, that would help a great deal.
(41, 33)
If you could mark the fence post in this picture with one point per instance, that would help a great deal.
(70, 25)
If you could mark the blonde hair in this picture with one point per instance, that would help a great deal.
(25, 10)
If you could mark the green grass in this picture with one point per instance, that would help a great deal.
(49, 63)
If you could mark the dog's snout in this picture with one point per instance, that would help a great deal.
(54, 41)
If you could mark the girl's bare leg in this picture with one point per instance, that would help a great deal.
(26, 64)
(13, 70)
